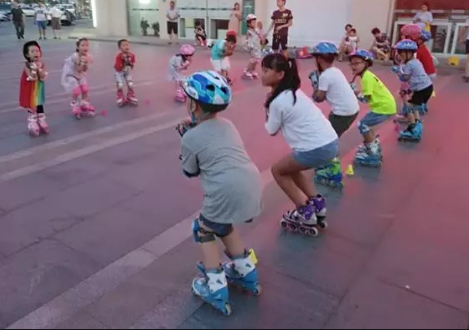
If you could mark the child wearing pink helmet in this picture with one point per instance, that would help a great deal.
(177, 64)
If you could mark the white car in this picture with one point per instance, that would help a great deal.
(67, 18)
(28, 11)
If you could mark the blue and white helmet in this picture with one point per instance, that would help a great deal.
(406, 44)
(324, 48)
(208, 88)
(425, 36)
(363, 54)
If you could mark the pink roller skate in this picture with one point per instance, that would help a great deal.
(87, 108)
(180, 96)
(41, 121)
(247, 75)
(120, 98)
(76, 109)
(33, 126)
(131, 97)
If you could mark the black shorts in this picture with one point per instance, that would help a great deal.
(467, 46)
(422, 97)
(341, 123)
(172, 28)
(280, 43)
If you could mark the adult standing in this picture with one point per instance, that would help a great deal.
(18, 18)
(464, 37)
(235, 18)
(40, 17)
(282, 20)
(56, 16)
(173, 16)
(424, 17)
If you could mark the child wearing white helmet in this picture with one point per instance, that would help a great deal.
(213, 151)
(254, 46)
(177, 64)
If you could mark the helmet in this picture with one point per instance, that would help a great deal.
(411, 31)
(187, 50)
(406, 44)
(209, 89)
(425, 36)
(363, 54)
(324, 48)
(231, 33)
(251, 17)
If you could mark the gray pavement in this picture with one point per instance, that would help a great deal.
(95, 218)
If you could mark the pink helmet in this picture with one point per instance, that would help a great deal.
(187, 50)
(411, 31)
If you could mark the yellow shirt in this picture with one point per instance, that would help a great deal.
(379, 97)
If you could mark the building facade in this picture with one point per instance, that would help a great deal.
(314, 20)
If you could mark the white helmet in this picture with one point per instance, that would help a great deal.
(251, 17)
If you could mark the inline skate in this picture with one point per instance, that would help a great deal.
(33, 126)
(304, 220)
(120, 98)
(413, 133)
(330, 175)
(41, 121)
(87, 109)
(212, 288)
(131, 97)
(242, 272)
(369, 155)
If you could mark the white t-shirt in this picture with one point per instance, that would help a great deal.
(41, 14)
(426, 16)
(303, 125)
(339, 94)
(172, 15)
(56, 12)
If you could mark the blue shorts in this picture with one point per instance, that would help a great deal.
(370, 120)
(317, 157)
(42, 25)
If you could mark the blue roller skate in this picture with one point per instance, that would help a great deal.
(423, 109)
(242, 272)
(330, 175)
(413, 133)
(212, 288)
(364, 147)
(303, 220)
(319, 203)
(370, 155)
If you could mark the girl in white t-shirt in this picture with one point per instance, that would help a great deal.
(309, 134)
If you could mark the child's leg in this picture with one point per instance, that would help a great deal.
(371, 144)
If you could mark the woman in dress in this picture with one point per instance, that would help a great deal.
(235, 18)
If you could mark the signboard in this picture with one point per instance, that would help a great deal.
(248, 8)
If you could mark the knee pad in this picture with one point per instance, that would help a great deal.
(200, 234)
(363, 128)
(120, 85)
(406, 109)
(84, 88)
(76, 92)
(130, 84)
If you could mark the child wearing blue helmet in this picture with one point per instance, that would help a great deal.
(329, 83)
(382, 107)
(212, 150)
(420, 89)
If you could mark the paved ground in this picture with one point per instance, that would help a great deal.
(95, 218)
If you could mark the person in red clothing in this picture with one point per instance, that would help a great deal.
(124, 63)
(424, 56)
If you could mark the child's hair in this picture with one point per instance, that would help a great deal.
(79, 41)
(348, 26)
(120, 42)
(26, 49)
(328, 58)
(291, 79)
(353, 31)
(375, 31)
(231, 38)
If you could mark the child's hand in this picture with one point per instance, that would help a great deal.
(184, 126)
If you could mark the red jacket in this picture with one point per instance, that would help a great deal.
(424, 56)
(123, 60)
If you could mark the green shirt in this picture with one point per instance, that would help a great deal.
(379, 97)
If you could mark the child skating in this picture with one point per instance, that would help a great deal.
(123, 66)
(330, 84)
(74, 79)
(421, 89)
(254, 46)
(382, 107)
(309, 134)
(212, 150)
(32, 93)
(177, 64)
(220, 55)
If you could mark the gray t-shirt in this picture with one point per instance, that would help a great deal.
(231, 182)
(419, 79)
(172, 15)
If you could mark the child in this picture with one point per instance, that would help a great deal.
(253, 45)
(309, 134)
(424, 56)
(220, 53)
(382, 107)
(200, 34)
(177, 64)
(212, 149)
(32, 92)
(420, 85)
(123, 65)
(74, 79)
(330, 84)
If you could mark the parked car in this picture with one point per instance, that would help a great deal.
(5, 10)
(28, 11)
(67, 18)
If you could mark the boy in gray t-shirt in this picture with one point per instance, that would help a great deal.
(212, 149)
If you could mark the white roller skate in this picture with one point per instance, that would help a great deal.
(369, 156)
(131, 97)
(247, 75)
(242, 272)
(87, 108)
(41, 120)
(212, 288)
(33, 126)
(303, 220)
(364, 148)
(120, 98)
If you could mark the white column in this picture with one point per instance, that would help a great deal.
(111, 17)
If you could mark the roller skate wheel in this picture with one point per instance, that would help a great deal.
(293, 228)
(257, 291)
(313, 232)
(284, 224)
(227, 310)
(323, 225)
(303, 230)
